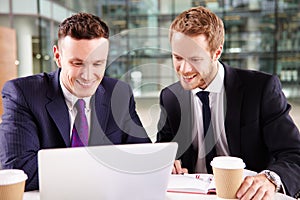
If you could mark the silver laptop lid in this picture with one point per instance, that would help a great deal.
(135, 171)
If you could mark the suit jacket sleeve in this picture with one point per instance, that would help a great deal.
(281, 136)
(19, 142)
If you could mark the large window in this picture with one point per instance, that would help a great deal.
(260, 34)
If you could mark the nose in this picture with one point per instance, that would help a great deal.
(185, 67)
(87, 72)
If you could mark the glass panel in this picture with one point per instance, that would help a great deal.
(24, 7)
(46, 45)
(166, 7)
(288, 59)
(42, 49)
(45, 8)
(4, 8)
(59, 12)
(249, 38)
(181, 5)
(142, 7)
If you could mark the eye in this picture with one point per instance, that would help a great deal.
(98, 64)
(178, 58)
(77, 64)
(196, 60)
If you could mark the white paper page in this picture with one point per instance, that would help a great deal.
(194, 183)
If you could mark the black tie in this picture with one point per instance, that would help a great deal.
(209, 139)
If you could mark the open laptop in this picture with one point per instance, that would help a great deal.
(132, 171)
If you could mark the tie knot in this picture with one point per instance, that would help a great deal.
(80, 105)
(203, 95)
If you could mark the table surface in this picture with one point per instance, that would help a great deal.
(34, 195)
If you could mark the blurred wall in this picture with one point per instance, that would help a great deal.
(8, 55)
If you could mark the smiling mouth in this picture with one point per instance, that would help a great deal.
(190, 77)
(85, 84)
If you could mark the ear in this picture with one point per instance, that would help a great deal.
(56, 55)
(218, 53)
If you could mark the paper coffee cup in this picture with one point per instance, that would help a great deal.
(12, 184)
(228, 175)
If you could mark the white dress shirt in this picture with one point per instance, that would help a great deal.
(216, 103)
(70, 100)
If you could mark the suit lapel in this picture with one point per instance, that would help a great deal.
(234, 95)
(58, 110)
(99, 120)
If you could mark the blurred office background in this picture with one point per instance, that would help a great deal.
(260, 34)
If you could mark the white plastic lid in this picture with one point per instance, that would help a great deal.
(228, 162)
(12, 176)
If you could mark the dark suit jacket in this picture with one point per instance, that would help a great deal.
(36, 117)
(257, 124)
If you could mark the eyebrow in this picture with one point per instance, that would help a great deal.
(103, 60)
(174, 54)
(75, 59)
(192, 57)
(80, 60)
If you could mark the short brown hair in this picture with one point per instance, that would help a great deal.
(197, 21)
(83, 26)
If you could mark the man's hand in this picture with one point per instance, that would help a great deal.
(177, 169)
(256, 187)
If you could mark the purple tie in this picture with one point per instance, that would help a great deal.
(80, 132)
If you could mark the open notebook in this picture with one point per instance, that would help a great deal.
(192, 183)
(196, 183)
(136, 171)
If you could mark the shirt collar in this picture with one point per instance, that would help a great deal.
(217, 83)
(72, 99)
